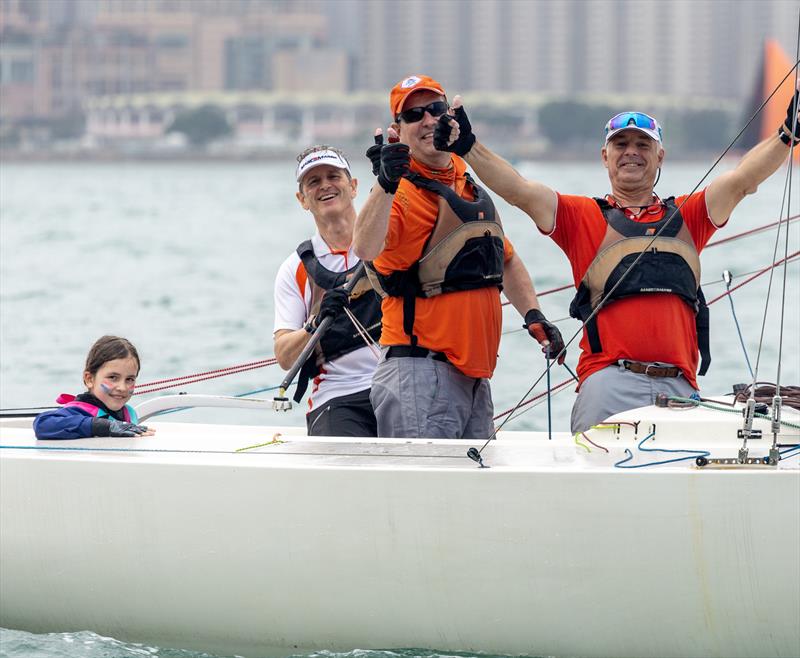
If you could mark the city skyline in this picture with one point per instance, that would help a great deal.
(95, 60)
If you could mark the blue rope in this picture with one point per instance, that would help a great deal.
(549, 414)
(694, 454)
(795, 449)
(738, 329)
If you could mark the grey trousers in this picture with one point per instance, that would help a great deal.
(614, 389)
(424, 398)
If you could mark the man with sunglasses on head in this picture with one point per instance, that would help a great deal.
(439, 259)
(644, 338)
(309, 288)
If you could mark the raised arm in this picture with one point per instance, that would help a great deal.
(454, 133)
(372, 224)
(389, 163)
(758, 164)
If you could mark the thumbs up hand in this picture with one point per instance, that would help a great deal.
(454, 131)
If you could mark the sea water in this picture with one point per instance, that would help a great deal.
(181, 257)
(19, 644)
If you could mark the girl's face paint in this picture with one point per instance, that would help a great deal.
(113, 382)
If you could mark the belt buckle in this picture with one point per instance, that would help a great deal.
(647, 369)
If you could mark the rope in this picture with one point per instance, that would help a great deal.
(729, 410)
(766, 391)
(728, 279)
(764, 270)
(716, 282)
(554, 389)
(786, 187)
(193, 379)
(752, 231)
(185, 380)
(694, 454)
(788, 210)
(363, 333)
(715, 243)
(242, 366)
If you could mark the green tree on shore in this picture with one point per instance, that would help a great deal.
(201, 125)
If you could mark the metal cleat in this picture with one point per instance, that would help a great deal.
(281, 404)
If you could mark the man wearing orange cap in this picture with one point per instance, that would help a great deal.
(439, 258)
(634, 256)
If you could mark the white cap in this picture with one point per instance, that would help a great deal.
(321, 157)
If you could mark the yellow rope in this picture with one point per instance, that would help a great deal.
(275, 441)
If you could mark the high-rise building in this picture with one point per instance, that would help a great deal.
(680, 48)
(55, 54)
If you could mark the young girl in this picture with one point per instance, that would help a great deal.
(112, 366)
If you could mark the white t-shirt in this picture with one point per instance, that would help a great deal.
(351, 372)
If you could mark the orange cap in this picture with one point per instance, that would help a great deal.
(403, 89)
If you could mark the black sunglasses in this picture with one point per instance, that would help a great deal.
(435, 109)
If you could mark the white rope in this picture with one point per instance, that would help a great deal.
(362, 331)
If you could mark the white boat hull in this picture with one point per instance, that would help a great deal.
(330, 544)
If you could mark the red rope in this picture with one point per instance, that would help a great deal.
(163, 384)
(546, 292)
(755, 276)
(716, 243)
(583, 434)
(202, 376)
(533, 399)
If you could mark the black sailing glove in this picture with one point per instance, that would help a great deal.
(114, 427)
(792, 124)
(441, 134)
(332, 305)
(390, 162)
(543, 331)
(374, 155)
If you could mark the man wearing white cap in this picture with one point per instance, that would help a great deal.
(644, 338)
(308, 288)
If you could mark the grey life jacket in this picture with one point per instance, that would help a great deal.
(670, 264)
(464, 251)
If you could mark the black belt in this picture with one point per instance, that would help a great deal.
(416, 352)
(650, 369)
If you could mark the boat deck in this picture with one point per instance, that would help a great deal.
(216, 538)
(695, 429)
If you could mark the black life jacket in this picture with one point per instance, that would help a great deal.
(341, 337)
(670, 264)
(464, 251)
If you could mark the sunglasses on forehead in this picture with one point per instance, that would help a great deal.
(638, 119)
(435, 109)
(634, 120)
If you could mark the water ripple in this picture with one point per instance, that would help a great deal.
(85, 644)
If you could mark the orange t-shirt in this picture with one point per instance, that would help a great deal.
(651, 327)
(466, 324)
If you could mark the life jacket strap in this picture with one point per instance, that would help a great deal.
(306, 374)
(703, 325)
(410, 304)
